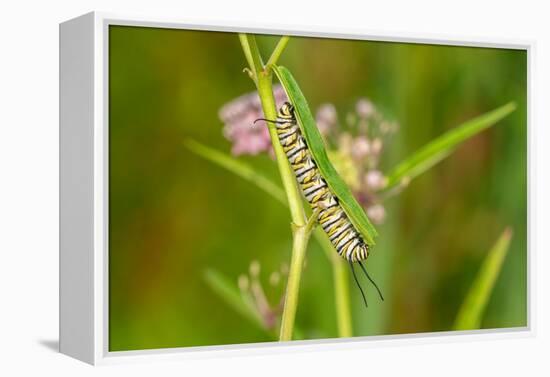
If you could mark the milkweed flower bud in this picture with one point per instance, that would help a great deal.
(364, 108)
(346, 167)
(326, 118)
(274, 278)
(375, 180)
(243, 283)
(376, 146)
(255, 269)
(360, 148)
(376, 213)
(345, 143)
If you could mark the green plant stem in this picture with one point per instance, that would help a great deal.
(301, 230)
(342, 298)
(264, 85)
(252, 55)
(265, 90)
(277, 51)
(340, 274)
(299, 247)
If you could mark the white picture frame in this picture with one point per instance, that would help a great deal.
(84, 193)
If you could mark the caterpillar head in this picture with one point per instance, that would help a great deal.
(287, 110)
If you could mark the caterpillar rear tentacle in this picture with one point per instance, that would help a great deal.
(343, 235)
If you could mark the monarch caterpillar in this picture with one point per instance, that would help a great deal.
(343, 235)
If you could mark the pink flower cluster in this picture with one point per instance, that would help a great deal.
(238, 117)
(359, 143)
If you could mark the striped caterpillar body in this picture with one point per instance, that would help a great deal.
(343, 235)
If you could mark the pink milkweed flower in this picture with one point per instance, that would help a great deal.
(374, 180)
(326, 118)
(377, 213)
(361, 148)
(364, 108)
(238, 117)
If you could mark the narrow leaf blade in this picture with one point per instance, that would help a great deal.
(471, 311)
(309, 129)
(237, 167)
(441, 147)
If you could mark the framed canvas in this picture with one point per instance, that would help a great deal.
(229, 189)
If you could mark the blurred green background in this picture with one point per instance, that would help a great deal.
(173, 214)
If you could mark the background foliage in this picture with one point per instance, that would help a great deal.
(174, 215)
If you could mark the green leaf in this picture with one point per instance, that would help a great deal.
(471, 311)
(444, 145)
(237, 167)
(231, 294)
(317, 147)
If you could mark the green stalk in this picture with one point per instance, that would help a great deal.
(299, 246)
(263, 81)
(265, 90)
(341, 293)
(341, 286)
(277, 51)
(301, 231)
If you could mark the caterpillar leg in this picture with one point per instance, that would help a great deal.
(313, 220)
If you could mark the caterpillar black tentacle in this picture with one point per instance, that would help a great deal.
(372, 281)
(358, 285)
(343, 235)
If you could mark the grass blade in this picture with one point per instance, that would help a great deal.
(471, 311)
(237, 167)
(444, 145)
